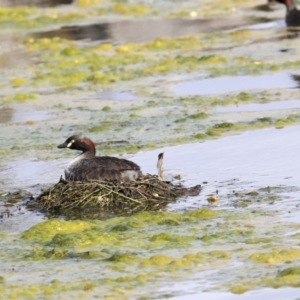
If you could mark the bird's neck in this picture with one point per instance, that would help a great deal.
(290, 5)
(88, 154)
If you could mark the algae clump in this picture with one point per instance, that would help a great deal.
(45, 231)
(276, 256)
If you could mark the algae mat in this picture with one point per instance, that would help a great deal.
(69, 85)
(123, 258)
(76, 85)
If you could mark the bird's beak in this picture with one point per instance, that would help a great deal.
(63, 145)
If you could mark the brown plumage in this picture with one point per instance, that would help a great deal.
(88, 167)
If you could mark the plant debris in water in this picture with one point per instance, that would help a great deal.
(148, 193)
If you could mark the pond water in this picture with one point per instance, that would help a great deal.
(251, 161)
(221, 85)
(276, 105)
(137, 31)
(215, 162)
(41, 3)
(86, 71)
(284, 293)
(115, 95)
(15, 115)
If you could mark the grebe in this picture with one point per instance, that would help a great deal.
(292, 17)
(88, 167)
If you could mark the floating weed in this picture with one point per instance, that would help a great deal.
(200, 136)
(276, 256)
(106, 108)
(20, 97)
(258, 240)
(16, 82)
(240, 289)
(86, 3)
(130, 9)
(197, 116)
(283, 278)
(156, 260)
(289, 271)
(152, 246)
(46, 44)
(46, 230)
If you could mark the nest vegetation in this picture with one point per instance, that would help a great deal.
(150, 192)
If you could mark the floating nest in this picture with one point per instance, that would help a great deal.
(91, 199)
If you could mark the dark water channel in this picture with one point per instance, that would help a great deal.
(39, 3)
(137, 31)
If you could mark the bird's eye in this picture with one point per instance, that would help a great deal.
(70, 144)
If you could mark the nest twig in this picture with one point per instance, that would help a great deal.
(149, 190)
(148, 193)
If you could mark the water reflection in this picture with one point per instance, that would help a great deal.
(40, 3)
(137, 31)
(296, 78)
(229, 84)
(37, 173)
(8, 114)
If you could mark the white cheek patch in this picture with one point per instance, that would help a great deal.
(70, 144)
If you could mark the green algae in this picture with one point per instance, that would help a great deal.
(258, 240)
(219, 129)
(228, 235)
(44, 231)
(197, 116)
(288, 272)
(176, 250)
(62, 234)
(76, 66)
(141, 250)
(283, 278)
(105, 67)
(20, 98)
(200, 136)
(276, 256)
(31, 17)
(106, 108)
(240, 289)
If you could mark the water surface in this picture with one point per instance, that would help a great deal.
(229, 84)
